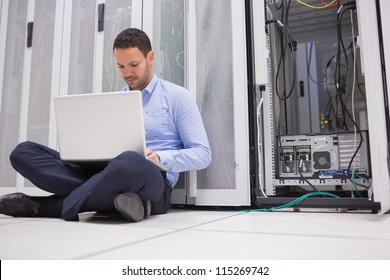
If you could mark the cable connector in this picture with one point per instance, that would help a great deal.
(269, 21)
(293, 45)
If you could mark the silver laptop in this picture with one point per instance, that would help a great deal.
(100, 126)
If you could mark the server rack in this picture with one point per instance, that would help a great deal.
(296, 169)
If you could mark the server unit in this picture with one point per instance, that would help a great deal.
(323, 157)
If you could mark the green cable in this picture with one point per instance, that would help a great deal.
(364, 179)
(354, 182)
(291, 203)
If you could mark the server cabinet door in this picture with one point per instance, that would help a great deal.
(165, 23)
(28, 30)
(12, 42)
(190, 51)
(118, 15)
(89, 31)
(221, 93)
(370, 46)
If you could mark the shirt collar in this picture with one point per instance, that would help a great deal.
(150, 87)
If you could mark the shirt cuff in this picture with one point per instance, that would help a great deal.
(166, 158)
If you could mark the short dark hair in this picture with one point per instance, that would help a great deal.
(133, 38)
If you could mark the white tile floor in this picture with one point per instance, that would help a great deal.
(199, 234)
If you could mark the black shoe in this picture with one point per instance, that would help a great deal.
(19, 205)
(131, 207)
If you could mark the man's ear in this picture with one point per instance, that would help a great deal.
(150, 56)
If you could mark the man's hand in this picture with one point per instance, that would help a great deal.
(152, 155)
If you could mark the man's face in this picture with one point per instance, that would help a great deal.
(135, 69)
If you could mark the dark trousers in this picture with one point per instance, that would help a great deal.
(88, 186)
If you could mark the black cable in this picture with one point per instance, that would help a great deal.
(288, 4)
(303, 178)
(276, 6)
(310, 184)
(340, 88)
(341, 41)
(282, 61)
(329, 106)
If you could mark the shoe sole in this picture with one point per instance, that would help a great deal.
(130, 206)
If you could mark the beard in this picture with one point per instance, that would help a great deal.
(139, 82)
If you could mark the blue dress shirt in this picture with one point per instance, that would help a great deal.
(174, 128)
